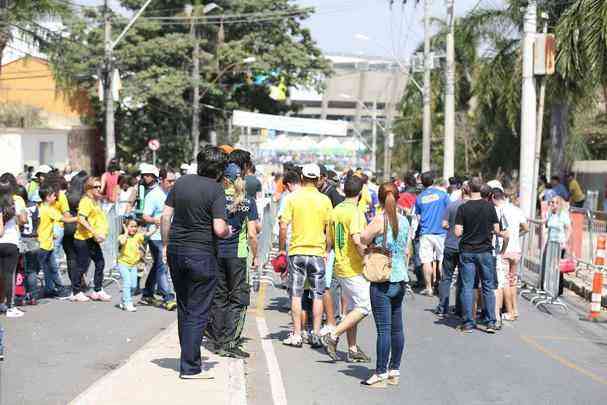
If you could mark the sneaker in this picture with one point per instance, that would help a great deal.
(305, 337)
(203, 375)
(170, 306)
(238, 353)
(14, 313)
(439, 313)
(293, 341)
(128, 307)
(490, 328)
(427, 292)
(465, 328)
(149, 301)
(357, 357)
(66, 297)
(101, 296)
(80, 297)
(330, 344)
(326, 330)
(393, 377)
(315, 342)
(376, 381)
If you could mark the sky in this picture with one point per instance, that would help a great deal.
(392, 31)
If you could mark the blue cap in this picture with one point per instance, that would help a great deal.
(232, 172)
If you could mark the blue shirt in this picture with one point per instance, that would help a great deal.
(562, 192)
(153, 206)
(398, 249)
(237, 244)
(452, 241)
(430, 205)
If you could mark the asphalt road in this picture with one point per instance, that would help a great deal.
(543, 358)
(60, 348)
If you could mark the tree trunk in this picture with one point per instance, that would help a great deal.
(559, 133)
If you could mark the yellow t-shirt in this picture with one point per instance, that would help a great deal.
(61, 205)
(131, 249)
(365, 200)
(346, 220)
(93, 213)
(577, 195)
(307, 210)
(48, 216)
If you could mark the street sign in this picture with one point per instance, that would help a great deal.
(154, 145)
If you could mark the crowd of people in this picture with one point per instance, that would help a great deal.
(346, 246)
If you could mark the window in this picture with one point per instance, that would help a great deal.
(46, 153)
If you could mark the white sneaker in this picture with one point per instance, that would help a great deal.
(101, 296)
(325, 330)
(80, 297)
(128, 307)
(14, 313)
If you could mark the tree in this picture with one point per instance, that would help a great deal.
(155, 63)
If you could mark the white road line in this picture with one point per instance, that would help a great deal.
(237, 386)
(279, 396)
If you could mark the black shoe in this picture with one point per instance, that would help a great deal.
(490, 328)
(439, 313)
(1, 354)
(465, 328)
(315, 342)
(238, 353)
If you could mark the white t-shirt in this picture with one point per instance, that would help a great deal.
(515, 217)
(11, 229)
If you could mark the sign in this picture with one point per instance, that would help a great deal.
(290, 124)
(154, 144)
(544, 54)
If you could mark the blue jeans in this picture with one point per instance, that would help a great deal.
(58, 233)
(129, 282)
(387, 305)
(482, 264)
(52, 281)
(31, 266)
(158, 274)
(1, 339)
(194, 274)
(450, 262)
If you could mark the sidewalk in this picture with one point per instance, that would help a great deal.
(151, 376)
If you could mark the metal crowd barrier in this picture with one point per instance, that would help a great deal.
(264, 245)
(110, 246)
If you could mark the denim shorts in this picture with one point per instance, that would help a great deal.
(311, 268)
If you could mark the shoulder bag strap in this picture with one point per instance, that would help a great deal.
(385, 231)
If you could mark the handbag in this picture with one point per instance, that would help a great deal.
(567, 265)
(378, 266)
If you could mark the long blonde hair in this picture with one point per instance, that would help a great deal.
(238, 196)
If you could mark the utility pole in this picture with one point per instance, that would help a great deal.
(196, 96)
(449, 147)
(374, 139)
(427, 124)
(388, 135)
(528, 113)
(110, 136)
(540, 126)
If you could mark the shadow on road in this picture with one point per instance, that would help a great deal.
(279, 304)
(173, 363)
(356, 371)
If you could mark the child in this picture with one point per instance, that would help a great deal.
(49, 216)
(132, 249)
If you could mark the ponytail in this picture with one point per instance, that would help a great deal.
(387, 197)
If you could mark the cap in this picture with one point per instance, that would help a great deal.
(184, 166)
(232, 172)
(146, 168)
(323, 170)
(495, 184)
(279, 264)
(226, 148)
(311, 171)
(44, 169)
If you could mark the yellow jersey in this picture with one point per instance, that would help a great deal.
(308, 211)
(93, 213)
(346, 220)
(61, 205)
(131, 249)
(48, 216)
(577, 195)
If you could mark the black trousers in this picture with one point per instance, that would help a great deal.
(87, 250)
(71, 257)
(9, 255)
(194, 277)
(232, 297)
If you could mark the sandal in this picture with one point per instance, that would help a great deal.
(375, 381)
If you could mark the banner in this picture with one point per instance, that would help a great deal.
(290, 124)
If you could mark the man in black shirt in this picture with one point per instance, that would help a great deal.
(475, 223)
(193, 218)
(325, 187)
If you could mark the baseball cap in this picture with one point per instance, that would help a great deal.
(226, 148)
(311, 171)
(184, 166)
(44, 169)
(146, 168)
(495, 184)
(232, 172)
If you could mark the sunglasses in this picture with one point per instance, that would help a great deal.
(96, 187)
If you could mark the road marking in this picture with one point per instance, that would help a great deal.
(529, 340)
(279, 395)
(570, 339)
(237, 385)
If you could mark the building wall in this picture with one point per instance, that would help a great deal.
(30, 81)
